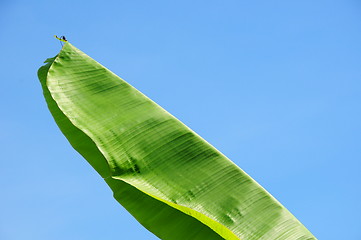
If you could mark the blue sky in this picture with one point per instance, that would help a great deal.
(274, 85)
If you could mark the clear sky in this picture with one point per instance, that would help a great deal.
(274, 85)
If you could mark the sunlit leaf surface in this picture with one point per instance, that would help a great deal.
(172, 181)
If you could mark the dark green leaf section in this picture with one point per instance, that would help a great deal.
(175, 183)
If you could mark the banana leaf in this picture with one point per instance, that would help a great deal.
(171, 180)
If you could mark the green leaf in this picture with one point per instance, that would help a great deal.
(170, 179)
